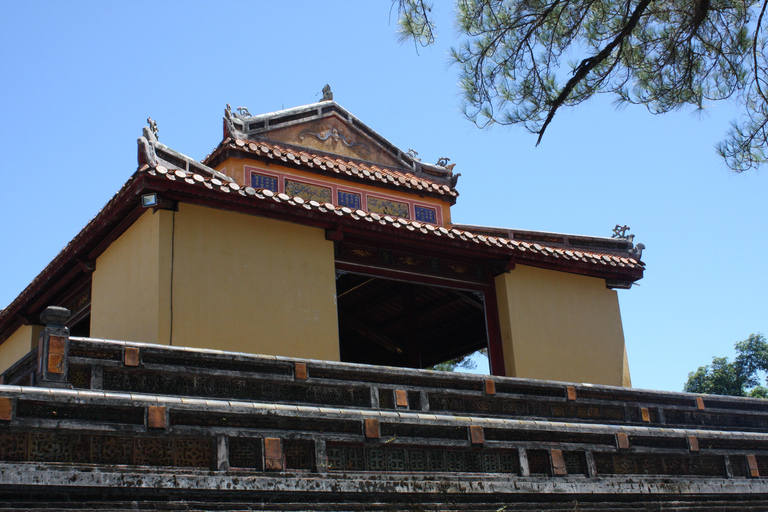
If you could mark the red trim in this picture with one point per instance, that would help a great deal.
(364, 194)
(493, 330)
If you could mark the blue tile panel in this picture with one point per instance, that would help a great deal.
(261, 181)
(423, 214)
(349, 200)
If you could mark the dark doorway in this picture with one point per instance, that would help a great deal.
(399, 323)
(82, 327)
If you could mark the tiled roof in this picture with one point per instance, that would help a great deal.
(78, 254)
(515, 247)
(342, 167)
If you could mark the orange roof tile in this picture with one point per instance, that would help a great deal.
(334, 165)
(597, 259)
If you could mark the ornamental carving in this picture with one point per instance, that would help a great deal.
(333, 137)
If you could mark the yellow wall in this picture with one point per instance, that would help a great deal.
(130, 289)
(252, 284)
(235, 168)
(240, 283)
(18, 345)
(561, 326)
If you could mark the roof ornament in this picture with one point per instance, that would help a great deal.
(620, 232)
(327, 94)
(230, 128)
(443, 162)
(243, 112)
(454, 178)
(637, 251)
(147, 141)
(414, 154)
(153, 127)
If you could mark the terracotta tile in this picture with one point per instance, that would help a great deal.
(754, 472)
(6, 409)
(56, 345)
(55, 363)
(273, 448)
(558, 463)
(401, 398)
(131, 357)
(476, 434)
(300, 371)
(570, 392)
(273, 454)
(156, 417)
(372, 428)
(490, 387)
(622, 441)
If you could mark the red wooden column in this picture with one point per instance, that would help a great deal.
(493, 330)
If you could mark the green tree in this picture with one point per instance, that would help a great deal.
(523, 60)
(739, 377)
(460, 363)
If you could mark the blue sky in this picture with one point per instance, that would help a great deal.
(79, 80)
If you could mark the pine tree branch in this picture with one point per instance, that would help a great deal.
(587, 65)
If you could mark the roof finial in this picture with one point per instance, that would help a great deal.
(147, 141)
(230, 129)
(621, 232)
(637, 251)
(153, 127)
(327, 94)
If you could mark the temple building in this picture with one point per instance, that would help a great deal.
(305, 233)
(255, 331)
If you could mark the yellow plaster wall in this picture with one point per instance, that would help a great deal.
(561, 326)
(18, 345)
(252, 284)
(235, 169)
(207, 278)
(130, 291)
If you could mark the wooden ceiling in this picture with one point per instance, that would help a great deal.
(397, 323)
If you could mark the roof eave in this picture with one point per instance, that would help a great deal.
(76, 259)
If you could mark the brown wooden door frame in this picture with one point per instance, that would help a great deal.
(487, 288)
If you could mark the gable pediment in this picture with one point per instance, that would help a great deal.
(323, 126)
(335, 136)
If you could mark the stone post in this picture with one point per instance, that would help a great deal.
(53, 347)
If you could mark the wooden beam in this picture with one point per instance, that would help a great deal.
(369, 333)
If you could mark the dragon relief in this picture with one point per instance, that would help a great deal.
(333, 136)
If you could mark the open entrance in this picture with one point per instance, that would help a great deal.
(392, 322)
